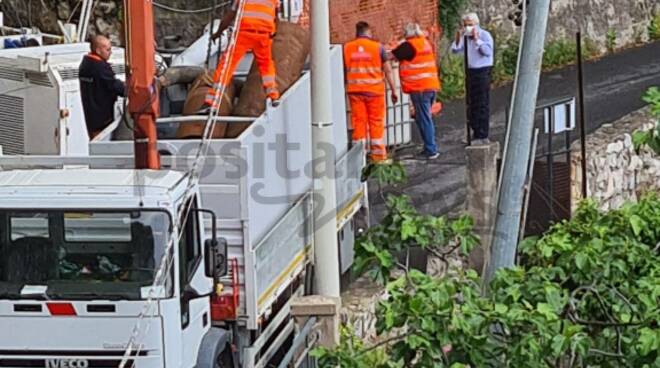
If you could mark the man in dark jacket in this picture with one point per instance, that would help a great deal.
(99, 88)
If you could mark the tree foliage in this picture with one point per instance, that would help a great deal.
(586, 294)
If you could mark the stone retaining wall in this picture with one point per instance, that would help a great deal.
(628, 19)
(615, 172)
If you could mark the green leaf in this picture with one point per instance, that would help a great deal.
(408, 229)
(547, 311)
(648, 341)
(558, 343)
(581, 260)
(637, 224)
(501, 308)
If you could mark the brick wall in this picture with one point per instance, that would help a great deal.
(386, 17)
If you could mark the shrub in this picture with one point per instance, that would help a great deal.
(610, 40)
(586, 295)
(650, 138)
(558, 53)
(453, 77)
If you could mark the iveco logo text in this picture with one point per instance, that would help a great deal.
(67, 363)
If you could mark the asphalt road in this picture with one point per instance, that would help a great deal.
(614, 85)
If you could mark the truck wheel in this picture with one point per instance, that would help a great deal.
(224, 360)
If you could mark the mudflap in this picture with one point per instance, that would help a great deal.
(214, 344)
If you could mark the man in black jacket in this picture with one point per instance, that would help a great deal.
(99, 88)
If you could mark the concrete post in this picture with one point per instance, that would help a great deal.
(482, 198)
(518, 147)
(326, 309)
(326, 250)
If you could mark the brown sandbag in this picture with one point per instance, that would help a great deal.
(181, 75)
(290, 49)
(195, 100)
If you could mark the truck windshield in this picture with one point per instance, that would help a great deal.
(81, 255)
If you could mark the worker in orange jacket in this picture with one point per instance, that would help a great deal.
(418, 72)
(255, 32)
(366, 70)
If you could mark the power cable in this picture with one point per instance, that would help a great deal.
(194, 11)
(73, 12)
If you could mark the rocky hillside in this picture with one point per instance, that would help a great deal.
(625, 21)
(107, 15)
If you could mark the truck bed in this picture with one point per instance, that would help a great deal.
(262, 195)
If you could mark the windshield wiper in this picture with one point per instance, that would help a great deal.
(10, 295)
(88, 295)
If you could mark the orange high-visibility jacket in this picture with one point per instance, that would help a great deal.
(364, 67)
(259, 15)
(421, 73)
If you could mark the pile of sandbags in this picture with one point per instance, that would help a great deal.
(290, 50)
(195, 101)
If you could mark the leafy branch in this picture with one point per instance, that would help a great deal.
(586, 295)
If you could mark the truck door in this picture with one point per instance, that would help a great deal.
(195, 307)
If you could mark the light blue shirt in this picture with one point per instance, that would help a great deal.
(480, 52)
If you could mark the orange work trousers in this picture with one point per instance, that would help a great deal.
(368, 121)
(261, 45)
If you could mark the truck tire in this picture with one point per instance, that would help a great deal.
(213, 350)
(224, 360)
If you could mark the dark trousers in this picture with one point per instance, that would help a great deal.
(479, 100)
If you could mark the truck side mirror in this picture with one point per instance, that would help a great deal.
(215, 250)
(215, 253)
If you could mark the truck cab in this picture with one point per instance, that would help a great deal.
(93, 261)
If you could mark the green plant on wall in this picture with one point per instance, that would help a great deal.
(558, 53)
(610, 40)
(450, 13)
(453, 78)
(650, 138)
(654, 28)
(506, 60)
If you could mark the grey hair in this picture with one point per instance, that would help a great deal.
(471, 16)
(412, 30)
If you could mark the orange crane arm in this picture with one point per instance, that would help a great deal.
(143, 101)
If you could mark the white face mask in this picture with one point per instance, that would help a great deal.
(469, 30)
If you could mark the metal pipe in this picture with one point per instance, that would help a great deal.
(567, 135)
(583, 133)
(193, 118)
(529, 185)
(326, 251)
(510, 199)
(42, 34)
(466, 81)
(550, 162)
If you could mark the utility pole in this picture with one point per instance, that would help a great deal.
(326, 251)
(511, 191)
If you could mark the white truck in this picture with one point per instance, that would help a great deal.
(82, 237)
